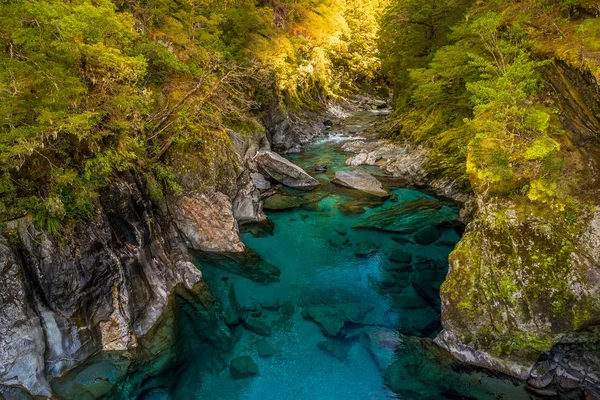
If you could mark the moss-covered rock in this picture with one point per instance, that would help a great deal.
(523, 277)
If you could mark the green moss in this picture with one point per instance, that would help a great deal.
(541, 148)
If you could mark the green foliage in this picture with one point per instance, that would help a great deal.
(91, 89)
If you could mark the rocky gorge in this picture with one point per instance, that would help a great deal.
(141, 263)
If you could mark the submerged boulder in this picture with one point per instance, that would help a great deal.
(281, 202)
(331, 319)
(365, 249)
(270, 304)
(338, 348)
(381, 343)
(360, 206)
(362, 181)
(247, 264)
(408, 217)
(284, 171)
(231, 311)
(266, 349)
(257, 326)
(243, 367)
(288, 308)
(401, 257)
(427, 235)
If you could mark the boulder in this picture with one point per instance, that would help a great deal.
(419, 322)
(288, 308)
(338, 348)
(265, 349)
(353, 207)
(281, 202)
(247, 264)
(408, 217)
(260, 182)
(282, 170)
(361, 181)
(270, 304)
(243, 367)
(207, 223)
(331, 319)
(402, 240)
(381, 343)
(340, 231)
(257, 326)
(401, 257)
(365, 249)
(231, 308)
(427, 235)
(247, 207)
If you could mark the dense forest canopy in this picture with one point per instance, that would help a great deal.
(90, 89)
(468, 83)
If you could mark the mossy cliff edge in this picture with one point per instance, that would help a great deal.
(503, 99)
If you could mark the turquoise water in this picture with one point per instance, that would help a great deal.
(352, 316)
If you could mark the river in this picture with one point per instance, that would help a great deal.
(355, 309)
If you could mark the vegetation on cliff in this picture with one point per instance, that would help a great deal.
(480, 84)
(91, 88)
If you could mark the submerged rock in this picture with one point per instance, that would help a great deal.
(352, 207)
(247, 264)
(381, 343)
(288, 308)
(338, 348)
(422, 322)
(340, 231)
(428, 235)
(265, 349)
(401, 257)
(270, 304)
(365, 249)
(408, 217)
(361, 181)
(243, 367)
(257, 326)
(331, 319)
(402, 240)
(282, 170)
(231, 308)
(281, 202)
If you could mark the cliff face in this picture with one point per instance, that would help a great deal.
(100, 288)
(105, 284)
(525, 279)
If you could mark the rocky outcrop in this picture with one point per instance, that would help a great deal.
(525, 279)
(279, 129)
(403, 162)
(101, 287)
(247, 207)
(21, 334)
(283, 171)
(517, 286)
(409, 217)
(207, 222)
(361, 181)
